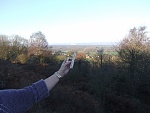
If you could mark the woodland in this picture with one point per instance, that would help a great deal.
(103, 80)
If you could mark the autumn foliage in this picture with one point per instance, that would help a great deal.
(80, 56)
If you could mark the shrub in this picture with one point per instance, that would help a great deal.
(22, 58)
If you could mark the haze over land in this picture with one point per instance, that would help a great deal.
(85, 43)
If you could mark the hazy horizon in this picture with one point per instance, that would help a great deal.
(85, 43)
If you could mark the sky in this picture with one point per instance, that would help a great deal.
(74, 21)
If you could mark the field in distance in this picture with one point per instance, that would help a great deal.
(83, 48)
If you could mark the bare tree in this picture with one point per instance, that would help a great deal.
(4, 46)
(38, 40)
(38, 47)
(100, 54)
(133, 49)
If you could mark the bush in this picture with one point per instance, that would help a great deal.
(22, 58)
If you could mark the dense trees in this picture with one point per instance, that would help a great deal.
(18, 49)
(12, 46)
(134, 64)
(134, 53)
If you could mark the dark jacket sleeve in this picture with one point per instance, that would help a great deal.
(19, 101)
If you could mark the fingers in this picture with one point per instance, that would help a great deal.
(65, 64)
(64, 61)
(68, 62)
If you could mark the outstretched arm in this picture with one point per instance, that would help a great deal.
(19, 101)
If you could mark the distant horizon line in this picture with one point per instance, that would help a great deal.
(85, 43)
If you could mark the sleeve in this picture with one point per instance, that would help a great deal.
(19, 101)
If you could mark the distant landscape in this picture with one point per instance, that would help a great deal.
(86, 43)
(106, 78)
(85, 48)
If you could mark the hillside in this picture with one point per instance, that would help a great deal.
(84, 90)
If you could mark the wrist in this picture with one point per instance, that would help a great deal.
(58, 75)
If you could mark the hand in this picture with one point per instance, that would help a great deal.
(65, 67)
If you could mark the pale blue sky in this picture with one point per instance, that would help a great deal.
(74, 21)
